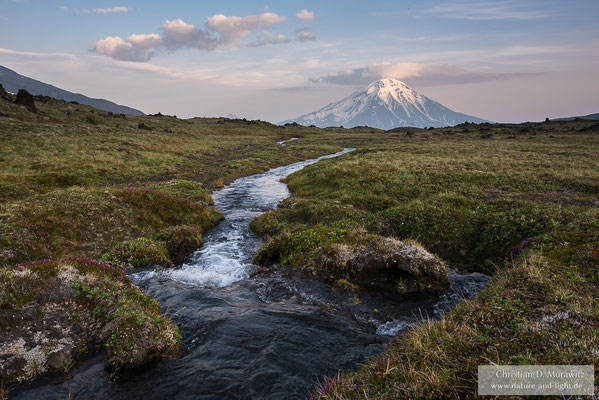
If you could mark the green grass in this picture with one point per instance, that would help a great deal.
(57, 148)
(523, 209)
(81, 182)
(70, 187)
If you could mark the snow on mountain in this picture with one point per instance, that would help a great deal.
(385, 104)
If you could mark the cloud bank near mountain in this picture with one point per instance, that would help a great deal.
(416, 73)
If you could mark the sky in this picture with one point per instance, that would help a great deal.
(505, 61)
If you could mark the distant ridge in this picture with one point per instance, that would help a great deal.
(385, 104)
(12, 82)
(590, 116)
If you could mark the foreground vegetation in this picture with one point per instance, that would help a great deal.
(76, 181)
(54, 311)
(84, 193)
(516, 201)
(89, 192)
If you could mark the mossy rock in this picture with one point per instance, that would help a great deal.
(54, 311)
(371, 262)
(386, 265)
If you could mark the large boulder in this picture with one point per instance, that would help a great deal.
(24, 98)
(386, 265)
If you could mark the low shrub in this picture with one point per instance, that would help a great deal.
(181, 241)
(141, 252)
(297, 249)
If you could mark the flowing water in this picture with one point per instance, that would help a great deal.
(265, 337)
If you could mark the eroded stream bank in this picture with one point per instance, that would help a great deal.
(265, 337)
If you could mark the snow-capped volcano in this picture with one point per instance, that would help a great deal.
(385, 104)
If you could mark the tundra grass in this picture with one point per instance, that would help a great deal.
(518, 201)
(78, 185)
(468, 199)
(515, 201)
(80, 182)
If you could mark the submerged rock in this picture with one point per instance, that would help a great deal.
(386, 265)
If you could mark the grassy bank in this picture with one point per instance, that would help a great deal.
(516, 201)
(83, 193)
(77, 181)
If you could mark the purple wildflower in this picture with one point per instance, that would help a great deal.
(517, 249)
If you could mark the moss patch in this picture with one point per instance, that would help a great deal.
(181, 241)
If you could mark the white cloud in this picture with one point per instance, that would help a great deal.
(304, 35)
(305, 15)
(498, 10)
(177, 27)
(113, 10)
(37, 55)
(414, 73)
(233, 28)
(146, 40)
(134, 48)
(179, 34)
(222, 31)
(110, 45)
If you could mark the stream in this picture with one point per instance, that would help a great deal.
(262, 337)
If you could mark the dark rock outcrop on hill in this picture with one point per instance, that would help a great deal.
(12, 82)
(3, 94)
(25, 99)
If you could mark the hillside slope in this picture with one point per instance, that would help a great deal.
(13, 81)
